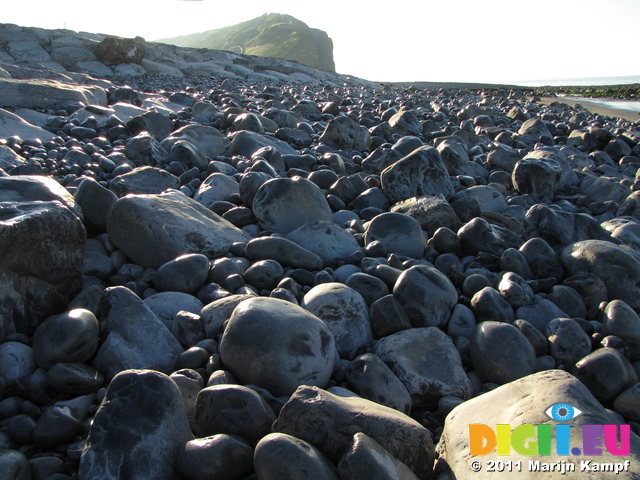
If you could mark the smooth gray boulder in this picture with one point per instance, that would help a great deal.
(500, 353)
(524, 402)
(426, 294)
(138, 431)
(620, 320)
(67, 337)
(344, 133)
(215, 314)
(205, 458)
(534, 130)
(144, 180)
(216, 187)
(327, 240)
(186, 273)
(207, 140)
(133, 336)
(568, 342)
(427, 363)
(560, 229)
(41, 93)
(368, 460)
(284, 204)
(246, 143)
(96, 202)
(173, 225)
(234, 410)
(346, 314)
(618, 267)
(431, 212)
(478, 235)
(418, 174)
(283, 251)
(36, 188)
(14, 465)
(606, 373)
(538, 177)
(369, 377)
(12, 124)
(42, 245)
(329, 422)
(277, 345)
(278, 456)
(400, 234)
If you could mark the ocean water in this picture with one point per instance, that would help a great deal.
(582, 82)
(630, 105)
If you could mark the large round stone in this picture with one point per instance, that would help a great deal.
(284, 204)
(618, 267)
(606, 373)
(346, 314)
(277, 345)
(426, 362)
(329, 422)
(568, 342)
(232, 409)
(278, 456)
(138, 431)
(205, 458)
(399, 233)
(68, 337)
(500, 353)
(426, 294)
(620, 320)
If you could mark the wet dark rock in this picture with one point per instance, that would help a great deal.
(343, 133)
(133, 336)
(43, 251)
(368, 459)
(174, 225)
(204, 458)
(327, 240)
(418, 174)
(345, 312)
(144, 180)
(314, 415)
(284, 204)
(401, 234)
(478, 235)
(606, 373)
(139, 429)
(431, 212)
(233, 410)
(500, 353)
(67, 337)
(599, 258)
(292, 346)
(278, 455)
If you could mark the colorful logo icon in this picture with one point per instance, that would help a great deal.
(562, 412)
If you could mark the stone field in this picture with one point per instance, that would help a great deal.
(218, 266)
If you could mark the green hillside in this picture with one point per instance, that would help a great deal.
(270, 35)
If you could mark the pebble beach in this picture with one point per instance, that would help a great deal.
(219, 266)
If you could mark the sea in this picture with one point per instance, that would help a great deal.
(581, 82)
(630, 105)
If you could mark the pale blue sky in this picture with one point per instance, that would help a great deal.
(446, 40)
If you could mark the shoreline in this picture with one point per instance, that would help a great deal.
(594, 106)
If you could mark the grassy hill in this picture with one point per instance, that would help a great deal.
(270, 35)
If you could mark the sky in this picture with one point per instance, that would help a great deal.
(496, 41)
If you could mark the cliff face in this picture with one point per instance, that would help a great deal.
(271, 35)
